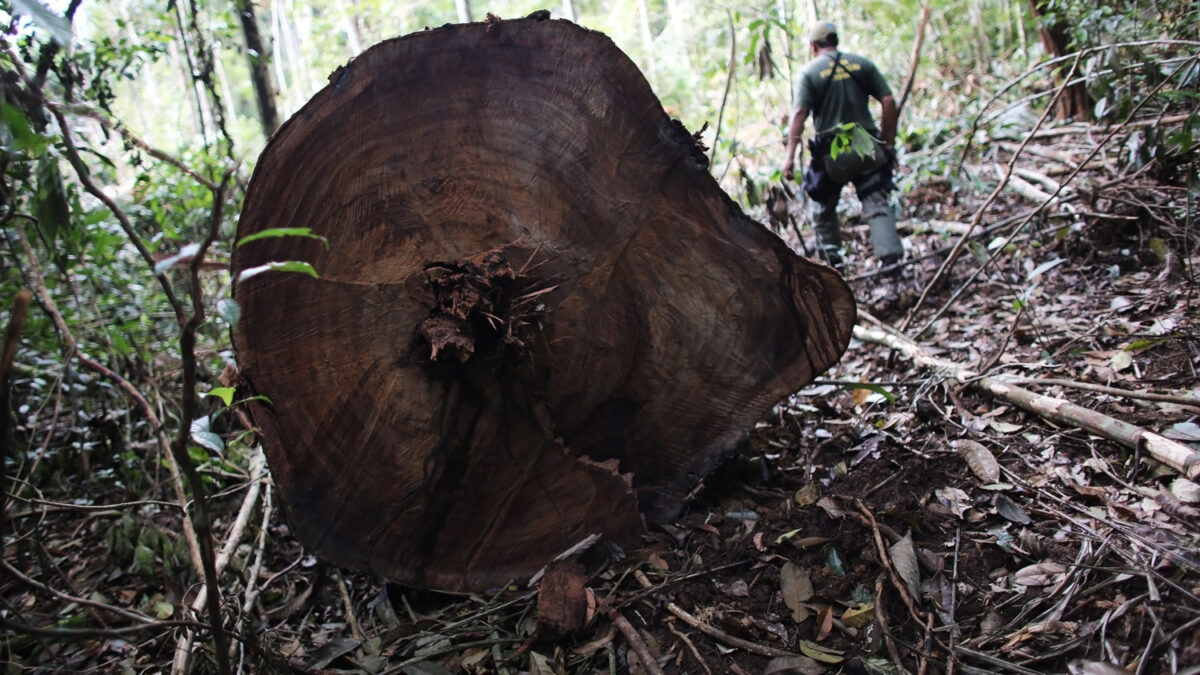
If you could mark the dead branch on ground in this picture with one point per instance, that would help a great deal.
(1172, 453)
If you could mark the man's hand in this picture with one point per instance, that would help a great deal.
(889, 151)
(795, 131)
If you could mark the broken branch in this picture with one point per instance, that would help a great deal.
(1172, 453)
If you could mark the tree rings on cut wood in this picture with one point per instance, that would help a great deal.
(537, 316)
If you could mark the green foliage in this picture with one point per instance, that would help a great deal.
(275, 232)
(852, 137)
(282, 266)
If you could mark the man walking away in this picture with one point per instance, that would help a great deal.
(835, 87)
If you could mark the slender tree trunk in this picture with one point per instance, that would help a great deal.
(190, 77)
(353, 41)
(1020, 21)
(568, 10)
(463, 7)
(260, 68)
(227, 98)
(281, 76)
(302, 34)
(1075, 101)
(647, 39)
(785, 18)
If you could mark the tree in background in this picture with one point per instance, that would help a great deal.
(1075, 101)
(260, 67)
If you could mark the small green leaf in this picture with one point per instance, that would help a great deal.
(1159, 248)
(163, 610)
(143, 560)
(786, 536)
(223, 393)
(53, 213)
(288, 266)
(281, 232)
(1142, 345)
(18, 125)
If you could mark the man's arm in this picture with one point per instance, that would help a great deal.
(795, 132)
(887, 123)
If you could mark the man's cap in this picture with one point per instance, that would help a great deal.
(821, 31)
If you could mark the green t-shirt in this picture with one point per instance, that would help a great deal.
(844, 101)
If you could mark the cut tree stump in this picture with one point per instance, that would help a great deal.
(537, 315)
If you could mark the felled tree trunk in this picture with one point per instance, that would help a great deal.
(538, 317)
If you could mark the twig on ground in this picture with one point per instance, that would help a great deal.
(881, 617)
(926, 645)
(1172, 453)
(1012, 328)
(886, 560)
(951, 658)
(964, 230)
(348, 606)
(29, 581)
(448, 649)
(715, 633)
(994, 661)
(1193, 403)
(183, 647)
(636, 643)
(691, 647)
(78, 633)
(252, 588)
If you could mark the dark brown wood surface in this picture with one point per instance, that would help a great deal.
(538, 317)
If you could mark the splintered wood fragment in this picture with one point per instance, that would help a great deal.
(562, 599)
(537, 316)
(1172, 453)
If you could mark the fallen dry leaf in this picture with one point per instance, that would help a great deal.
(981, 460)
(1041, 574)
(860, 615)
(904, 559)
(797, 589)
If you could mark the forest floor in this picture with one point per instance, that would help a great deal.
(859, 532)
